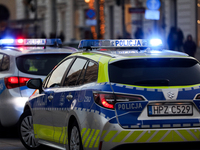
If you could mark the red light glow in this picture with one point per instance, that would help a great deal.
(20, 41)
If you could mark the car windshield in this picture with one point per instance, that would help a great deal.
(38, 64)
(155, 72)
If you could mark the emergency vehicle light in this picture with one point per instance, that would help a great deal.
(29, 42)
(137, 43)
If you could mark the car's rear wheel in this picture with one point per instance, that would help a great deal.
(26, 132)
(75, 137)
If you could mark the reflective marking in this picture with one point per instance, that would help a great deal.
(176, 125)
(146, 136)
(152, 136)
(120, 85)
(196, 124)
(92, 110)
(83, 131)
(187, 135)
(139, 136)
(156, 137)
(96, 112)
(103, 133)
(159, 90)
(193, 135)
(133, 136)
(141, 89)
(187, 125)
(125, 127)
(180, 90)
(94, 138)
(109, 136)
(97, 142)
(166, 125)
(129, 87)
(164, 136)
(89, 138)
(84, 109)
(196, 87)
(188, 89)
(79, 109)
(103, 115)
(145, 126)
(135, 126)
(177, 136)
(85, 136)
(195, 132)
(156, 126)
(120, 136)
(151, 90)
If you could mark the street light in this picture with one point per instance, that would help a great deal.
(87, 1)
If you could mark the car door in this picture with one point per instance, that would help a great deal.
(45, 128)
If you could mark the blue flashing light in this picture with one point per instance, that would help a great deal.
(156, 42)
(30, 42)
(7, 41)
(137, 43)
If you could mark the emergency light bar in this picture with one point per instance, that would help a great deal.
(30, 42)
(137, 43)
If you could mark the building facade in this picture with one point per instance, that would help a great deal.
(69, 19)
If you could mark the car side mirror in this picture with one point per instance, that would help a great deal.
(35, 84)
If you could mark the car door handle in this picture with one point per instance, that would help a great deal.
(50, 97)
(69, 97)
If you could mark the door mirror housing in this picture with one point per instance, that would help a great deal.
(35, 84)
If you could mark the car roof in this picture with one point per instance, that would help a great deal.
(17, 51)
(127, 53)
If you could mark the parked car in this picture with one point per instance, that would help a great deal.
(21, 60)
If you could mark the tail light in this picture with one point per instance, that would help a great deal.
(13, 82)
(109, 100)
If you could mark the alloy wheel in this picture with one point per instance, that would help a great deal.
(27, 132)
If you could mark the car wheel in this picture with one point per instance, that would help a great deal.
(75, 137)
(26, 132)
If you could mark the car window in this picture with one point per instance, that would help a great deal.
(57, 75)
(4, 62)
(155, 72)
(39, 64)
(75, 72)
(91, 73)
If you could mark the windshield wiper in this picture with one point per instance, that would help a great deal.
(158, 82)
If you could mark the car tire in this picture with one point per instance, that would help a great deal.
(26, 132)
(75, 142)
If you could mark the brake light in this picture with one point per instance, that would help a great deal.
(13, 82)
(109, 100)
(105, 100)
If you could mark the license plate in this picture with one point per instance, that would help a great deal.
(170, 109)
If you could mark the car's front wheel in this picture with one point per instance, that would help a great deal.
(26, 132)
(75, 137)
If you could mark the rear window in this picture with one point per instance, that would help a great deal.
(155, 72)
(39, 64)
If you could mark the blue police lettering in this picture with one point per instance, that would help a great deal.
(130, 106)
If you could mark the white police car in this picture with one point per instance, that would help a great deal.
(21, 60)
(99, 100)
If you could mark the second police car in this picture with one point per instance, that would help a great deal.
(21, 60)
(108, 99)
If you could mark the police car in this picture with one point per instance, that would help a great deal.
(106, 98)
(21, 60)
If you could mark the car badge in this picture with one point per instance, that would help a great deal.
(170, 95)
